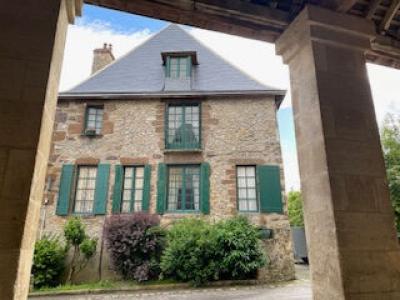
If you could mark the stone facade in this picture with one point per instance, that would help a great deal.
(236, 130)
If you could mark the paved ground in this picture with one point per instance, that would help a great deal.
(295, 290)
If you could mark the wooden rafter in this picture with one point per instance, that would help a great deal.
(390, 13)
(345, 5)
(233, 16)
(373, 6)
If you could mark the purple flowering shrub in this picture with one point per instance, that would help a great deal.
(135, 242)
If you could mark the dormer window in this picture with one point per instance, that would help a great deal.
(178, 67)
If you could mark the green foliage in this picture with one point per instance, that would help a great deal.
(295, 209)
(75, 235)
(74, 231)
(198, 251)
(191, 252)
(390, 137)
(240, 249)
(48, 262)
(88, 247)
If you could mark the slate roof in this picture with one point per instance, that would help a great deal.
(141, 72)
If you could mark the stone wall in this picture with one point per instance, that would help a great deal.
(234, 131)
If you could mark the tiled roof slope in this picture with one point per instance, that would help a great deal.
(141, 71)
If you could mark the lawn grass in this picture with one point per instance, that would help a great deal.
(104, 285)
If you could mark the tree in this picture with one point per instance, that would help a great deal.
(83, 247)
(390, 137)
(295, 209)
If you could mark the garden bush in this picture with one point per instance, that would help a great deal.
(198, 252)
(48, 262)
(135, 242)
(75, 235)
(241, 252)
(295, 209)
(191, 254)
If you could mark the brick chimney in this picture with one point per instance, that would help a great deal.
(102, 57)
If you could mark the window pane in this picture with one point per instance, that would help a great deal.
(138, 206)
(127, 195)
(251, 193)
(252, 205)
(250, 171)
(246, 185)
(138, 195)
(183, 127)
(126, 207)
(183, 188)
(242, 182)
(241, 171)
(128, 183)
(128, 171)
(94, 119)
(85, 189)
(139, 172)
(251, 182)
(139, 183)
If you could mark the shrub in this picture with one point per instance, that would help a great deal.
(192, 253)
(240, 247)
(295, 209)
(48, 262)
(75, 235)
(198, 252)
(135, 242)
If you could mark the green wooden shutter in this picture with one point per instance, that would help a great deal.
(269, 185)
(101, 192)
(205, 188)
(146, 188)
(161, 188)
(65, 189)
(117, 193)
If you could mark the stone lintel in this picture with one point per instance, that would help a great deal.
(87, 161)
(324, 26)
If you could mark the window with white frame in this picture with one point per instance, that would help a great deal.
(246, 188)
(85, 189)
(132, 191)
(94, 120)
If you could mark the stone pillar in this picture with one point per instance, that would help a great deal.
(354, 253)
(31, 51)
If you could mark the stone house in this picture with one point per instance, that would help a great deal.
(170, 128)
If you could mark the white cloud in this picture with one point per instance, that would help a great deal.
(83, 38)
(385, 86)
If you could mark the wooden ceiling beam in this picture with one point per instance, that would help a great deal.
(373, 6)
(232, 17)
(345, 5)
(390, 13)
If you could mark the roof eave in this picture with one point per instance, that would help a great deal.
(121, 96)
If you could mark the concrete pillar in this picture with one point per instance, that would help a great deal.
(31, 50)
(354, 253)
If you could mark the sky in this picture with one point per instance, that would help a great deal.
(126, 31)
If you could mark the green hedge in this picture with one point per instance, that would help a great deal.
(198, 251)
(48, 262)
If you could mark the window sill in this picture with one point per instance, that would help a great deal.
(181, 212)
(196, 150)
(249, 212)
(91, 136)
